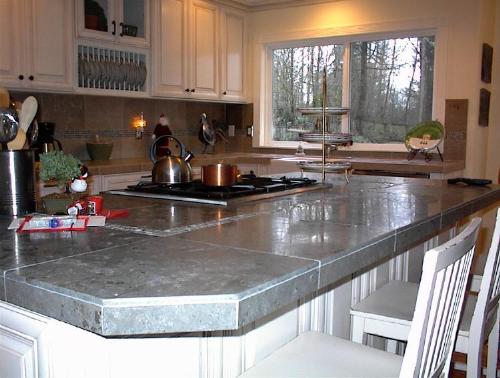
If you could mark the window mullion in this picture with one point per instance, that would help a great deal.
(346, 93)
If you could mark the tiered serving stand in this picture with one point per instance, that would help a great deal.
(330, 141)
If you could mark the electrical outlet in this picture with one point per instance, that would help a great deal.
(250, 131)
(230, 130)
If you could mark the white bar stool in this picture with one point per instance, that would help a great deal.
(430, 342)
(388, 312)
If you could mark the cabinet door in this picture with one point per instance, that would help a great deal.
(170, 48)
(10, 42)
(51, 44)
(133, 27)
(233, 34)
(121, 181)
(97, 19)
(204, 50)
(23, 343)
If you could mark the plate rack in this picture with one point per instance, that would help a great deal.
(110, 69)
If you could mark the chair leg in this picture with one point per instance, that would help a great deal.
(357, 329)
(493, 339)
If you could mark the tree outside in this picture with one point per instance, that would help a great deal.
(391, 86)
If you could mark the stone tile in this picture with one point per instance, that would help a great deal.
(18, 250)
(167, 270)
(104, 112)
(358, 261)
(132, 109)
(175, 110)
(65, 110)
(410, 236)
(76, 147)
(278, 296)
(85, 315)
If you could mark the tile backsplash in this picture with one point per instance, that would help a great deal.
(79, 118)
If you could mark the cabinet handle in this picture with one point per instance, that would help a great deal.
(114, 27)
(193, 90)
(121, 25)
(224, 93)
(186, 90)
(31, 77)
(21, 77)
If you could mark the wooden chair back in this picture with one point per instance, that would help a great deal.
(439, 303)
(486, 311)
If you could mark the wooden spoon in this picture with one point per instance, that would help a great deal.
(28, 112)
(26, 115)
(18, 142)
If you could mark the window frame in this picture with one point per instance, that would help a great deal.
(264, 137)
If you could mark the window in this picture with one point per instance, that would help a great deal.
(389, 87)
(297, 83)
(391, 83)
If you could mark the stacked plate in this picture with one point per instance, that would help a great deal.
(319, 111)
(338, 139)
(313, 166)
(107, 69)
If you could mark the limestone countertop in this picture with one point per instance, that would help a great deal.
(117, 166)
(175, 267)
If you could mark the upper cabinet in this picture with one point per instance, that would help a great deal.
(198, 51)
(120, 21)
(203, 48)
(232, 57)
(36, 44)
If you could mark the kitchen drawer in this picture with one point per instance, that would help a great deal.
(121, 181)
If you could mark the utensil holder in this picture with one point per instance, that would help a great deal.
(17, 182)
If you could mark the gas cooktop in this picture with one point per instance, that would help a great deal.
(249, 188)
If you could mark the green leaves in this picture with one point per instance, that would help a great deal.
(58, 166)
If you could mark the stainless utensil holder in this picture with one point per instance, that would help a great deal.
(17, 182)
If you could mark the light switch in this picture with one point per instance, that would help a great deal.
(230, 130)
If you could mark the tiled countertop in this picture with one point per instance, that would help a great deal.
(174, 267)
(117, 166)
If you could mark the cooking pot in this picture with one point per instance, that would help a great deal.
(170, 169)
(219, 174)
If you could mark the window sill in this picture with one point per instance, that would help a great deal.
(362, 147)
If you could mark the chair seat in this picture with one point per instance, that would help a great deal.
(395, 303)
(314, 354)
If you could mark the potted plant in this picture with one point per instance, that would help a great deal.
(60, 168)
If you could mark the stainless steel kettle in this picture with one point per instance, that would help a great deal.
(170, 169)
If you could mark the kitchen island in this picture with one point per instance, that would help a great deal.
(197, 290)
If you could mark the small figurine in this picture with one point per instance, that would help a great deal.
(79, 184)
(161, 129)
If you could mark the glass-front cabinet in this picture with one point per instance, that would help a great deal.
(123, 21)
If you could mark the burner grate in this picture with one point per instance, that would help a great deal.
(247, 186)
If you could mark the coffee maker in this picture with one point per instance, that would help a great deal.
(46, 141)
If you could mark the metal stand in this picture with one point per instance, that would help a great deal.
(327, 139)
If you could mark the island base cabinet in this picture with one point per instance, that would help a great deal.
(33, 345)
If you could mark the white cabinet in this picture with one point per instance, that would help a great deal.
(232, 57)
(23, 343)
(198, 51)
(170, 48)
(120, 21)
(36, 44)
(117, 181)
(204, 47)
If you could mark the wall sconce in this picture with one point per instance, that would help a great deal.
(139, 124)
